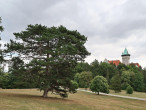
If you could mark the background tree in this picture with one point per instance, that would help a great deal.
(99, 84)
(138, 83)
(85, 79)
(82, 66)
(1, 55)
(134, 68)
(76, 77)
(4, 77)
(4, 80)
(18, 75)
(115, 83)
(1, 28)
(122, 67)
(144, 74)
(107, 70)
(95, 67)
(52, 54)
(127, 78)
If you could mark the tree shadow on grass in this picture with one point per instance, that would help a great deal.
(36, 97)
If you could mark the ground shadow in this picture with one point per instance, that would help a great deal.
(30, 96)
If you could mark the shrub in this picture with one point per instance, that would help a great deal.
(129, 90)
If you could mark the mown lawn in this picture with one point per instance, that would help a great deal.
(30, 99)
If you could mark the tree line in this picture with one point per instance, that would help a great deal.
(118, 77)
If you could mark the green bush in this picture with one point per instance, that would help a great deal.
(129, 90)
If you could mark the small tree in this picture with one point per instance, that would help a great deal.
(99, 84)
(116, 83)
(129, 90)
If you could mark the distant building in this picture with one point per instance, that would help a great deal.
(125, 59)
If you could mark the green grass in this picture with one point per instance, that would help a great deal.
(123, 93)
(30, 99)
(135, 94)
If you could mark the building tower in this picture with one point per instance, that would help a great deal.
(125, 57)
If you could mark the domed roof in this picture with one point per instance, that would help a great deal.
(125, 53)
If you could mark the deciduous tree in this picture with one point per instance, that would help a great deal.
(99, 84)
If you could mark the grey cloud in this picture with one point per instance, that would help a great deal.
(108, 24)
(126, 18)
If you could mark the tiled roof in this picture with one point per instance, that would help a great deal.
(115, 62)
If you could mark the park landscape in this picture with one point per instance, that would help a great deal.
(46, 70)
(58, 77)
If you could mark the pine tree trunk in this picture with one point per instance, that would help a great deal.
(98, 93)
(45, 94)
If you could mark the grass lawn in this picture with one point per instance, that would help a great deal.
(30, 99)
(123, 93)
(135, 94)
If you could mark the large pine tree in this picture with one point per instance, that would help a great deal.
(53, 53)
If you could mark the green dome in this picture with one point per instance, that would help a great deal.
(125, 52)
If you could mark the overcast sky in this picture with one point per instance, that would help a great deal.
(110, 25)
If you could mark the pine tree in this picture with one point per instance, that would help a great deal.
(53, 54)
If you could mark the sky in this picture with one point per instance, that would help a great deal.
(110, 25)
